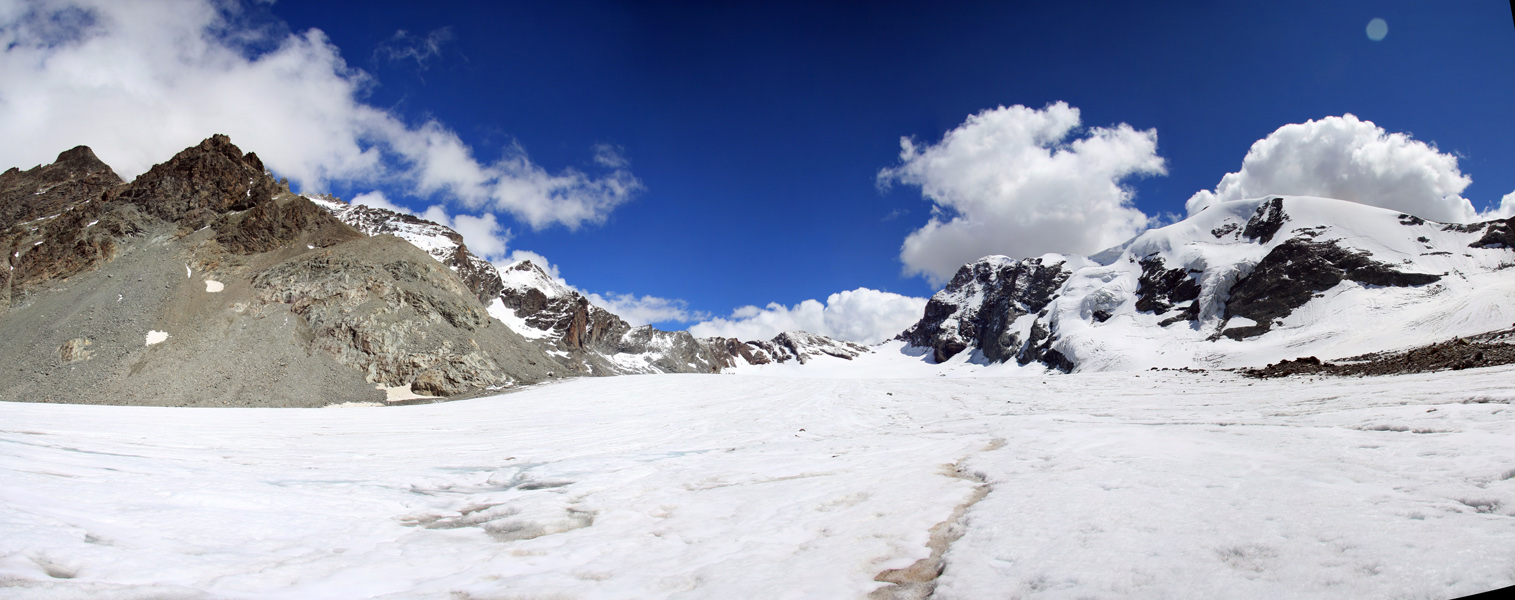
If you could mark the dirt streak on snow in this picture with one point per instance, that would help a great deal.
(1163, 485)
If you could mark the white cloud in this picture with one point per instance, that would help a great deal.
(483, 234)
(140, 80)
(642, 310)
(1010, 181)
(862, 315)
(1349, 159)
(1506, 208)
(405, 46)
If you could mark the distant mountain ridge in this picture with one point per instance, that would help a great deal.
(207, 282)
(588, 339)
(1240, 284)
(287, 300)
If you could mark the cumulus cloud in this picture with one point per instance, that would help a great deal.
(1023, 182)
(139, 80)
(483, 234)
(862, 315)
(644, 310)
(1347, 158)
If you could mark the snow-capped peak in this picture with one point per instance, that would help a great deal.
(524, 275)
(1241, 283)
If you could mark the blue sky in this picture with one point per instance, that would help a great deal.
(757, 131)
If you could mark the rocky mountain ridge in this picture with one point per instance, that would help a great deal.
(290, 300)
(205, 281)
(244, 293)
(588, 339)
(1240, 284)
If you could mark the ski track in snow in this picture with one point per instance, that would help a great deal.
(1149, 485)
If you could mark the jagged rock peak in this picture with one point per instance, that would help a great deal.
(1238, 284)
(983, 304)
(75, 177)
(803, 346)
(200, 183)
(81, 159)
(526, 275)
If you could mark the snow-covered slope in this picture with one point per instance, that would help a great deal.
(1149, 485)
(1242, 283)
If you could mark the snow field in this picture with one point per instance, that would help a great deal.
(1149, 485)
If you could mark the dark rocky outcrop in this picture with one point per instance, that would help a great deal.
(1294, 271)
(48, 218)
(275, 223)
(978, 306)
(1265, 223)
(76, 177)
(1497, 234)
(200, 184)
(1485, 350)
(1159, 289)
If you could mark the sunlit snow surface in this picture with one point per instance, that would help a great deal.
(759, 485)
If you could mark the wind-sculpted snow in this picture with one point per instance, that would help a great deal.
(1242, 283)
(1150, 485)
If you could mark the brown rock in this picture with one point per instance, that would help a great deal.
(200, 183)
(432, 382)
(77, 176)
(75, 350)
(277, 223)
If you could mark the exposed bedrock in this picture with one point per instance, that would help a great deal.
(1160, 289)
(979, 307)
(383, 306)
(1295, 271)
(76, 177)
(200, 184)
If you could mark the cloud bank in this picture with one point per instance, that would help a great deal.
(1350, 159)
(139, 80)
(645, 310)
(862, 315)
(1023, 182)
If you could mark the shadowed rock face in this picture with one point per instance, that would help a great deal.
(1160, 288)
(76, 177)
(1294, 271)
(1496, 234)
(1263, 225)
(200, 184)
(53, 223)
(979, 305)
(272, 224)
